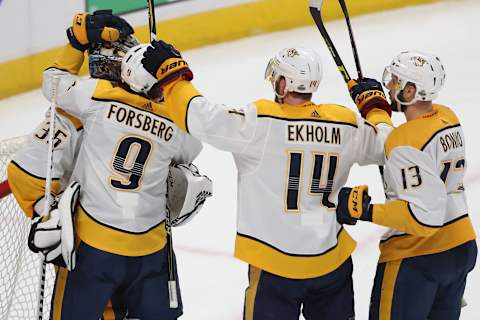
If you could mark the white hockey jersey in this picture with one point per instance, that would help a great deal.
(292, 161)
(129, 143)
(28, 168)
(427, 208)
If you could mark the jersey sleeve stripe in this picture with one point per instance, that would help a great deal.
(398, 215)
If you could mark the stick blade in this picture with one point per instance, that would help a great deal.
(316, 4)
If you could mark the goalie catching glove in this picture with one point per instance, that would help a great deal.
(368, 95)
(187, 191)
(54, 237)
(354, 204)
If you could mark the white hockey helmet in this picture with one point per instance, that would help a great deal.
(133, 72)
(422, 69)
(301, 68)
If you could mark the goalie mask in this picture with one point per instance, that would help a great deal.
(105, 59)
(301, 68)
(423, 70)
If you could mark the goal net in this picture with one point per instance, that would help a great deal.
(20, 269)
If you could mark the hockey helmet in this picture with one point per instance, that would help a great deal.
(301, 68)
(133, 72)
(424, 70)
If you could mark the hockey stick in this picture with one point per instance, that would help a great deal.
(48, 189)
(4, 189)
(352, 40)
(151, 20)
(315, 12)
(172, 279)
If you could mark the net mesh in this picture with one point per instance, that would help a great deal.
(20, 269)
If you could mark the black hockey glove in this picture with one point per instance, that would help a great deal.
(100, 27)
(368, 94)
(165, 63)
(354, 204)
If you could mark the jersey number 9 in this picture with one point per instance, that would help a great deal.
(129, 162)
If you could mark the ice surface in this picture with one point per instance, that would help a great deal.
(212, 281)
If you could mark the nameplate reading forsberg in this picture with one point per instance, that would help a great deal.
(140, 120)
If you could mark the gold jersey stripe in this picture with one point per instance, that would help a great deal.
(105, 91)
(397, 215)
(251, 292)
(74, 120)
(377, 116)
(178, 96)
(308, 111)
(27, 188)
(60, 283)
(269, 259)
(115, 241)
(388, 288)
(447, 237)
(69, 59)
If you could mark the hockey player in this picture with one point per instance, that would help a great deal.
(129, 143)
(292, 157)
(26, 178)
(430, 247)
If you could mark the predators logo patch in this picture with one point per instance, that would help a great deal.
(292, 53)
(419, 61)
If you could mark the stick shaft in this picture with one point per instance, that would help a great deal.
(352, 39)
(151, 20)
(317, 17)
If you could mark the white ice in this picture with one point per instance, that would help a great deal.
(212, 281)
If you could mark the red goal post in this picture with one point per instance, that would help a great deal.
(4, 189)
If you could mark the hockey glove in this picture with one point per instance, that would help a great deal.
(354, 204)
(187, 191)
(165, 63)
(100, 27)
(368, 94)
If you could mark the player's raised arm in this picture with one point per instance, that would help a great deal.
(86, 30)
(227, 128)
(376, 124)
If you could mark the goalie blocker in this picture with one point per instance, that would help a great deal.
(55, 237)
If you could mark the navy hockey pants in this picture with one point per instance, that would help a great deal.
(424, 287)
(138, 284)
(271, 297)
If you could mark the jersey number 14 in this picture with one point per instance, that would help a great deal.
(323, 164)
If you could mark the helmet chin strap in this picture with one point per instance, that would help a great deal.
(278, 97)
(401, 105)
